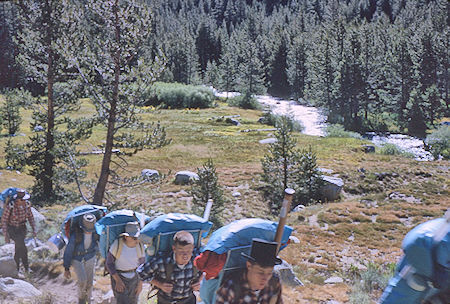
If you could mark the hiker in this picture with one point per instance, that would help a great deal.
(80, 253)
(174, 274)
(125, 255)
(256, 283)
(14, 218)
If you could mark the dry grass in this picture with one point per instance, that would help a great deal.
(337, 238)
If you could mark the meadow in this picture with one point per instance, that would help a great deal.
(357, 238)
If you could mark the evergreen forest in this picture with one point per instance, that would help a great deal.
(373, 65)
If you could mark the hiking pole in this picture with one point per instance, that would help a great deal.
(285, 208)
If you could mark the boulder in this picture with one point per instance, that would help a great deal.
(38, 217)
(334, 280)
(232, 121)
(236, 194)
(8, 266)
(150, 174)
(268, 141)
(332, 187)
(7, 250)
(18, 288)
(298, 208)
(185, 177)
(287, 275)
(368, 148)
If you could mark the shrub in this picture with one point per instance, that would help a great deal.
(337, 130)
(391, 149)
(10, 112)
(176, 96)
(205, 188)
(439, 140)
(284, 166)
(274, 120)
(245, 101)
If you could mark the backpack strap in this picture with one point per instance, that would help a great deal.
(139, 249)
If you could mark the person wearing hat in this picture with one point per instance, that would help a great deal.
(80, 253)
(256, 283)
(174, 274)
(14, 218)
(125, 255)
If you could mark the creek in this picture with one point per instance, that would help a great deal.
(314, 124)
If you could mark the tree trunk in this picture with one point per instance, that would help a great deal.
(104, 172)
(49, 159)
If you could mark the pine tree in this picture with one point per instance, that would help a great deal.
(40, 40)
(10, 112)
(107, 50)
(278, 77)
(297, 70)
(307, 179)
(278, 162)
(205, 188)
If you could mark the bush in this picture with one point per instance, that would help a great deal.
(274, 120)
(439, 140)
(205, 188)
(391, 149)
(337, 130)
(245, 101)
(176, 96)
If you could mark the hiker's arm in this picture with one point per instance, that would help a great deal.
(68, 253)
(111, 264)
(5, 217)
(146, 271)
(166, 287)
(31, 220)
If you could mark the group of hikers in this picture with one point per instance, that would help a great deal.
(176, 274)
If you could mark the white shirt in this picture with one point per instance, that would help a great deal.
(87, 240)
(127, 260)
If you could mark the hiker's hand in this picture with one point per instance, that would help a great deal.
(67, 274)
(7, 240)
(196, 286)
(120, 286)
(166, 287)
(139, 288)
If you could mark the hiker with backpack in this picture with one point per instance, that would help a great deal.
(174, 274)
(125, 255)
(16, 213)
(256, 283)
(80, 253)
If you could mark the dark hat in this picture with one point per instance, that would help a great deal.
(132, 229)
(21, 193)
(88, 222)
(263, 253)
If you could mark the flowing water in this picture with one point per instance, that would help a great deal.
(313, 122)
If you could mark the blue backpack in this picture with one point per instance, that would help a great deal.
(6, 198)
(234, 239)
(424, 270)
(113, 224)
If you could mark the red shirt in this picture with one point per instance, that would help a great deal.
(17, 216)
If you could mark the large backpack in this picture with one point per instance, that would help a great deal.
(424, 270)
(113, 224)
(158, 235)
(72, 221)
(6, 198)
(232, 240)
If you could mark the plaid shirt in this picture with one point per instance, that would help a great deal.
(181, 279)
(17, 216)
(226, 293)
